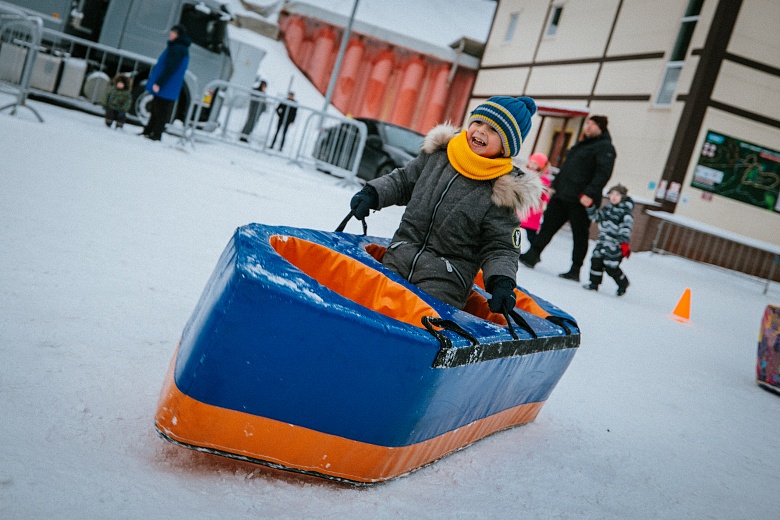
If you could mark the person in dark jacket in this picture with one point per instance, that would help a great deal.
(118, 99)
(615, 221)
(462, 196)
(165, 81)
(585, 172)
(286, 112)
(257, 106)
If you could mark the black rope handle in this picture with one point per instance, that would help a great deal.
(509, 323)
(346, 219)
(430, 322)
(562, 322)
(520, 321)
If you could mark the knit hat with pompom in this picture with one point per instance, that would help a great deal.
(510, 116)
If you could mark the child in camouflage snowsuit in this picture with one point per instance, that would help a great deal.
(117, 103)
(615, 222)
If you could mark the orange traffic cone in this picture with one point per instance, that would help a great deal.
(682, 312)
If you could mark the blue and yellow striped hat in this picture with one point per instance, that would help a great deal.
(510, 116)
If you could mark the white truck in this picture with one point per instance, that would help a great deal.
(140, 27)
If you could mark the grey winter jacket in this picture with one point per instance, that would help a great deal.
(453, 226)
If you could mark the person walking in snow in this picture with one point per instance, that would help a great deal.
(165, 81)
(117, 102)
(583, 176)
(462, 196)
(538, 163)
(615, 222)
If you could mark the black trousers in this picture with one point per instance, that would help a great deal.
(283, 126)
(160, 113)
(251, 118)
(559, 212)
(599, 266)
(115, 115)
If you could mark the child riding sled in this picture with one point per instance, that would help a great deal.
(462, 196)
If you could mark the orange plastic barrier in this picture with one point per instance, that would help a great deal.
(437, 98)
(321, 64)
(377, 83)
(350, 68)
(409, 92)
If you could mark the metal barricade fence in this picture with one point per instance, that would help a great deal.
(72, 70)
(87, 69)
(328, 142)
(20, 39)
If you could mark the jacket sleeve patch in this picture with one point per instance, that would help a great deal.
(516, 238)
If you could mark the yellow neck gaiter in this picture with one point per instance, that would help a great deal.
(472, 165)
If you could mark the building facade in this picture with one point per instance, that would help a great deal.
(690, 87)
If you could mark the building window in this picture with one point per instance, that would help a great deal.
(555, 20)
(510, 28)
(669, 84)
(674, 66)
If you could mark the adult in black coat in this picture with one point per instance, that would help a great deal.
(586, 170)
(286, 112)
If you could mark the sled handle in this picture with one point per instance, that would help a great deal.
(346, 219)
(520, 321)
(561, 322)
(429, 322)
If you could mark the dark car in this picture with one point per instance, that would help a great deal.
(388, 146)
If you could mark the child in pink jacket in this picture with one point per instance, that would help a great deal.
(539, 163)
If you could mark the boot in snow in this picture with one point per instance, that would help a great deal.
(571, 274)
(622, 285)
(530, 258)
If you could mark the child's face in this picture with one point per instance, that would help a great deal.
(533, 166)
(615, 197)
(484, 140)
(120, 85)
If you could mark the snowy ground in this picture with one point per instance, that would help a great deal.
(107, 239)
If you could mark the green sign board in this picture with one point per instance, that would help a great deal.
(739, 170)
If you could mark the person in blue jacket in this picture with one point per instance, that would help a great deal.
(165, 81)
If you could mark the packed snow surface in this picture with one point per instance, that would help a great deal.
(107, 240)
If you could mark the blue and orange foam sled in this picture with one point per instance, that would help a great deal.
(305, 353)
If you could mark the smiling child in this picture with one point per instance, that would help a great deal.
(462, 196)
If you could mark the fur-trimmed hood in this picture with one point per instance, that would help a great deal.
(453, 225)
(519, 190)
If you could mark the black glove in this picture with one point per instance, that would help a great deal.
(503, 290)
(364, 201)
